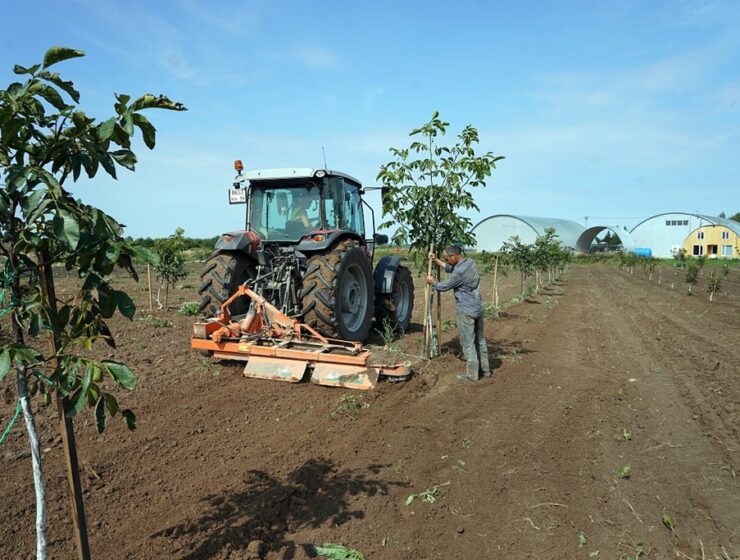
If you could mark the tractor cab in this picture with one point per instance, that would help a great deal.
(285, 205)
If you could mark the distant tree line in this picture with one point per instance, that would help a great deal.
(187, 242)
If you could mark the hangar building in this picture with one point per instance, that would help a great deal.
(492, 232)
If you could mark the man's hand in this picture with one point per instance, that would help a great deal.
(430, 280)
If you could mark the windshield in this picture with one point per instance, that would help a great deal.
(285, 214)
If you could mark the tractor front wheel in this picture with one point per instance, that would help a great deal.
(221, 276)
(338, 295)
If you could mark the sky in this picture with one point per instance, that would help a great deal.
(615, 110)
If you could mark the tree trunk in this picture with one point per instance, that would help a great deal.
(22, 383)
(38, 479)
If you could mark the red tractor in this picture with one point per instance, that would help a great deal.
(304, 249)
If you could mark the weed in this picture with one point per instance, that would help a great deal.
(639, 549)
(350, 405)
(582, 540)
(297, 411)
(158, 322)
(490, 310)
(389, 333)
(428, 496)
(466, 442)
(397, 467)
(668, 521)
(189, 308)
(626, 434)
(624, 472)
(448, 324)
(530, 521)
(530, 318)
(337, 552)
(593, 554)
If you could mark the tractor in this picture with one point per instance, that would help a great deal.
(305, 251)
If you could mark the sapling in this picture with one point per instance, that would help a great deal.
(692, 276)
(714, 284)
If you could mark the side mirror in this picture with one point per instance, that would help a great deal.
(381, 239)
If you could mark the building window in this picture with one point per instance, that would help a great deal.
(700, 235)
(726, 250)
(725, 235)
(698, 250)
(667, 222)
(685, 223)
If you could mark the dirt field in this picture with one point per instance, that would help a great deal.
(601, 371)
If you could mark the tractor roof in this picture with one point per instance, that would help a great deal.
(293, 173)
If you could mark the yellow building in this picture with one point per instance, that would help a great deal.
(714, 241)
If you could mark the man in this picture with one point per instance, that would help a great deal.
(464, 280)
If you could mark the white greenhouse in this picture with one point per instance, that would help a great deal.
(492, 232)
(664, 234)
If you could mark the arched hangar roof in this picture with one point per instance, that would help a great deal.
(493, 231)
(584, 241)
(665, 233)
(711, 220)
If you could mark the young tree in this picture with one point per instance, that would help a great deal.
(428, 184)
(692, 276)
(170, 265)
(714, 284)
(521, 257)
(46, 140)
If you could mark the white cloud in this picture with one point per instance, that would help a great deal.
(315, 56)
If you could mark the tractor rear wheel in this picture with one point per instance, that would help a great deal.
(397, 306)
(338, 293)
(221, 276)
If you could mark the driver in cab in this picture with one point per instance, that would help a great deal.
(299, 207)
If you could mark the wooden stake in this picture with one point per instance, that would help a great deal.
(66, 429)
(439, 315)
(495, 287)
(427, 326)
(149, 279)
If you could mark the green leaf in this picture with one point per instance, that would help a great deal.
(668, 521)
(130, 418)
(146, 255)
(59, 54)
(100, 415)
(67, 229)
(126, 158)
(5, 362)
(105, 130)
(52, 96)
(111, 403)
(18, 69)
(77, 402)
(128, 123)
(68, 87)
(121, 374)
(149, 101)
(147, 130)
(125, 304)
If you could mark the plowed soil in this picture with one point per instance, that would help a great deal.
(600, 371)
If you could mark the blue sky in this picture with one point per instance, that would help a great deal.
(612, 110)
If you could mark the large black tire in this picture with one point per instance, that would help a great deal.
(397, 306)
(221, 276)
(338, 296)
